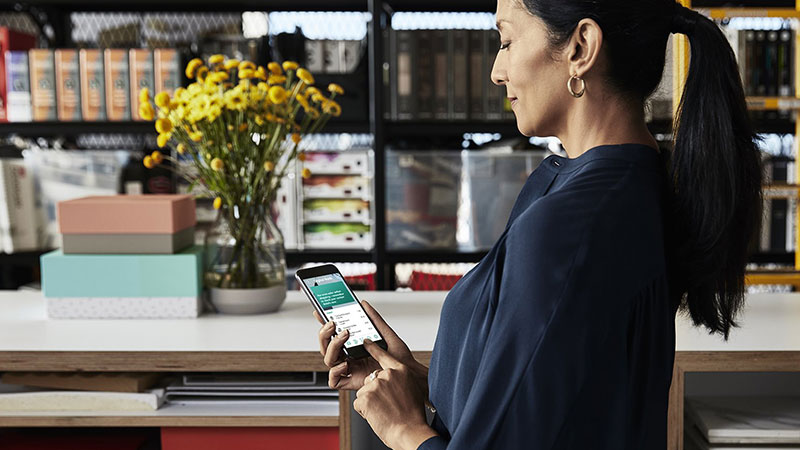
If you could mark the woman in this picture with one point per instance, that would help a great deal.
(563, 336)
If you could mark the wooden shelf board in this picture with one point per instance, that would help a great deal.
(168, 421)
(773, 277)
(772, 103)
(724, 13)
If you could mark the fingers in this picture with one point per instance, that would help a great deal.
(384, 358)
(333, 354)
(383, 328)
(319, 318)
(339, 375)
(325, 334)
(372, 376)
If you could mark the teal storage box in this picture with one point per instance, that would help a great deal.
(81, 275)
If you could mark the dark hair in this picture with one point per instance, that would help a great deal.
(715, 200)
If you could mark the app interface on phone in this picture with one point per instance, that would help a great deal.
(341, 307)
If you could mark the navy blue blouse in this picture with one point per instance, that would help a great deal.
(563, 336)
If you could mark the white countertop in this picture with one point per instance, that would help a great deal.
(771, 323)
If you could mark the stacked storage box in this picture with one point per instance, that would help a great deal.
(125, 257)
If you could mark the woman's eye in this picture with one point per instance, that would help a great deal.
(504, 45)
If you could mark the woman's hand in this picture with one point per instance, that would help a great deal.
(392, 402)
(350, 374)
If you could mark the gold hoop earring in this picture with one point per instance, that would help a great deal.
(569, 86)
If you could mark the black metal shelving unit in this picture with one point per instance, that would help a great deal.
(56, 13)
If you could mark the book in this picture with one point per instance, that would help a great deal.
(494, 95)
(18, 217)
(771, 64)
(314, 55)
(118, 86)
(84, 381)
(142, 76)
(424, 73)
(166, 63)
(43, 84)
(442, 67)
(477, 85)
(18, 87)
(331, 61)
(458, 76)
(404, 93)
(82, 401)
(68, 84)
(785, 63)
(93, 95)
(10, 40)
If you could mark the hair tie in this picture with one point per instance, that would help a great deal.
(684, 20)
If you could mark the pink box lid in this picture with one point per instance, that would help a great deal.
(127, 214)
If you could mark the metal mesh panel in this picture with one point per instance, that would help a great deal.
(19, 22)
(151, 29)
(343, 141)
(116, 141)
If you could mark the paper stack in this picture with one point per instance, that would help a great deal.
(125, 257)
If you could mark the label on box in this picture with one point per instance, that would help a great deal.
(93, 96)
(118, 105)
(68, 84)
(43, 84)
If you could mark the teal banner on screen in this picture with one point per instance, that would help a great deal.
(331, 295)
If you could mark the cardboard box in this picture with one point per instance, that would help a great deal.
(127, 214)
(123, 308)
(43, 84)
(118, 85)
(68, 84)
(123, 276)
(93, 95)
(161, 244)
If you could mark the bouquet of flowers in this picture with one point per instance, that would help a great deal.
(236, 130)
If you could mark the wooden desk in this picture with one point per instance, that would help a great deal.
(768, 340)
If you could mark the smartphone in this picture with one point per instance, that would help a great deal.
(334, 300)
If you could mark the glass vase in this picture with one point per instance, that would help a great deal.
(245, 261)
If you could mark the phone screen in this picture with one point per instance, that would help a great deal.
(340, 306)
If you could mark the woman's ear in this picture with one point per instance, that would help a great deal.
(583, 48)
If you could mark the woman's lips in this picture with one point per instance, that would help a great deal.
(513, 101)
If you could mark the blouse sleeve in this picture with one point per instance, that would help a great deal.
(546, 333)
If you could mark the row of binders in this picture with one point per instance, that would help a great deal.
(75, 85)
(766, 61)
(442, 75)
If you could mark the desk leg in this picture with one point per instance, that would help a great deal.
(344, 420)
(675, 414)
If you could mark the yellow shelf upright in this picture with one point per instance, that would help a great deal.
(680, 56)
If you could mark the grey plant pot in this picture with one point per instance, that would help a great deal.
(248, 301)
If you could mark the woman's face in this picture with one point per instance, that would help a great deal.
(535, 83)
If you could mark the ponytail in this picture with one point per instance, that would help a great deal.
(715, 168)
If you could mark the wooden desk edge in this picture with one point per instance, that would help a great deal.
(167, 361)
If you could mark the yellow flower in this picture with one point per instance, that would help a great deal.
(243, 127)
(262, 86)
(277, 94)
(162, 140)
(335, 89)
(146, 111)
(289, 65)
(305, 76)
(311, 90)
(274, 67)
(332, 108)
(216, 59)
(180, 92)
(313, 112)
(202, 73)
(163, 125)
(235, 100)
(261, 74)
(302, 100)
(229, 145)
(157, 157)
(217, 77)
(231, 64)
(230, 127)
(276, 79)
(296, 139)
(217, 164)
(319, 98)
(246, 74)
(214, 112)
(192, 66)
(244, 65)
(306, 173)
(162, 100)
(196, 136)
(269, 166)
(217, 203)
(144, 95)
(181, 148)
(259, 120)
(148, 162)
